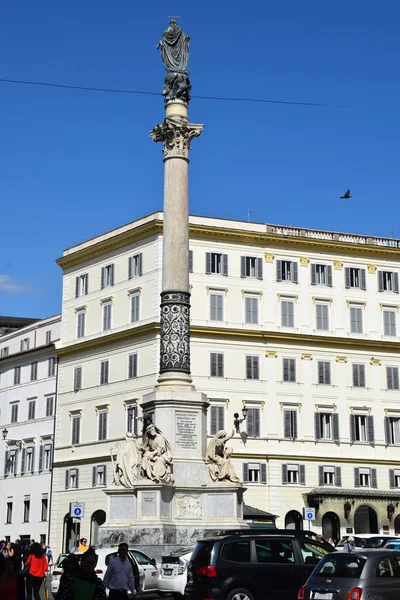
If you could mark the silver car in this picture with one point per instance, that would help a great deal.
(367, 575)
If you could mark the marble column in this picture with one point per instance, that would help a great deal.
(175, 133)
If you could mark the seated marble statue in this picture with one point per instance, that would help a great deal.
(156, 462)
(218, 458)
(126, 462)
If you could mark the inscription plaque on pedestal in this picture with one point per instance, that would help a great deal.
(148, 504)
(186, 430)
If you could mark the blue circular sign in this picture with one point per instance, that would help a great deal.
(77, 511)
(310, 516)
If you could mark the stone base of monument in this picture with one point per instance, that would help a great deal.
(160, 518)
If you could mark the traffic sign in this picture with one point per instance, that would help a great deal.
(77, 509)
(309, 514)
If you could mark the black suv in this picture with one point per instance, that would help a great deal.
(253, 565)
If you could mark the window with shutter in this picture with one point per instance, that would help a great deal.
(217, 419)
(104, 372)
(289, 370)
(49, 406)
(263, 473)
(355, 278)
(17, 375)
(76, 429)
(322, 314)
(41, 457)
(252, 367)
(102, 431)
(51, 366)
(14, 413)
(34, 367)
(287, 313)
(302, 478)
(216, 364)
(135, 308)
(23, 461)
(392, 378)
(392, 430)
(324, 372)
(132, 366)
(251, 310)
(132, 420)
(107, 313)
(356, 323)
(81, 321)
(135, 266)
(107, 276)
(253, 422)
(287, 270)
(245, 473)
(284, 475)
(338, 476)
(216, 307)
(216, 263)
(359, 428)
(31, 410)
(290, 424)
(77, 379)
(190, 261)
(358, 375)
(389, 322)
(394, 478)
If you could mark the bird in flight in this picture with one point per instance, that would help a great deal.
(346, 196)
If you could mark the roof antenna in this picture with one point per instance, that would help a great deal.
(249, 213)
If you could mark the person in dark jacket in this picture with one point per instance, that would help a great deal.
(85, 585)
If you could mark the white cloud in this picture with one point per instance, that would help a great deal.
(9, 286)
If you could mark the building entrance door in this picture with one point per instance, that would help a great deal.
(331, 526)
(365, 520)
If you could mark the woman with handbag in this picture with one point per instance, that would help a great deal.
(37, 565)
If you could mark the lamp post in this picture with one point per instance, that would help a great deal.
(17, 443)
(237, 422)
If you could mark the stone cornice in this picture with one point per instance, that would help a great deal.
(276, 337)
(120, 336)
(267, 241)
(113, 243)
(268, 337)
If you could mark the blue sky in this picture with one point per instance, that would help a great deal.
(75, 164)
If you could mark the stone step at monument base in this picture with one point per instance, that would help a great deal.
(167, 516)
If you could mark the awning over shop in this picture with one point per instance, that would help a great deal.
(323, 493)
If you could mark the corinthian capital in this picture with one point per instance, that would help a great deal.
(176, 135)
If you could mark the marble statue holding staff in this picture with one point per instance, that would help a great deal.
(126, 462)
(218, 458)
(156, 463)
(174, 47)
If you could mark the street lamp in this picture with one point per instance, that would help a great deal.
(237, 422)
(17, 443)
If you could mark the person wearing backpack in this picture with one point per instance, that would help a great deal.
(37, 564)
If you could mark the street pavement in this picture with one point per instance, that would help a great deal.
(51, 597)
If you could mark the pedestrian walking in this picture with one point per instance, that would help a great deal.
(37, 563)
(119, 575)
(349, 545)
(83, 545)
(85, 585)
(9, 585)
(17, 555)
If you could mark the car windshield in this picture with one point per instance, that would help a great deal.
(340, 565)
(202, 555)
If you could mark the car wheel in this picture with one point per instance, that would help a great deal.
(239, 594)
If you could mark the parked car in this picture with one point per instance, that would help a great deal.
(144, 568)
(371, 574)
(392, 544)
(173, 575)
(363, 541)
(253, 565)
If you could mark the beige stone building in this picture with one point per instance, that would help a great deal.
(298, 327)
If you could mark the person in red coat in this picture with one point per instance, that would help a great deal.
(38, 566)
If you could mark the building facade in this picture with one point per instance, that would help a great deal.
(28, 373)
(298, 327)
